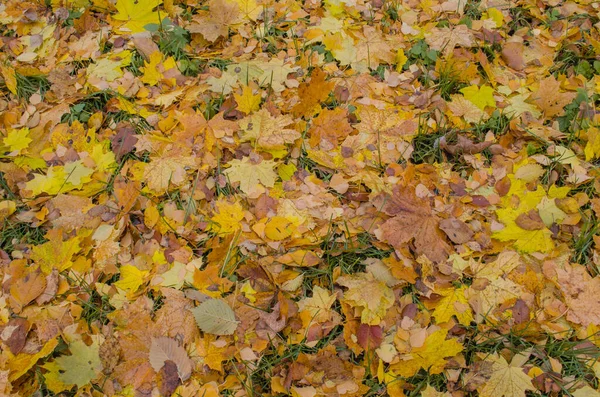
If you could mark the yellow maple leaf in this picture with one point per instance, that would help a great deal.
(134, 15)
(517, 106)
(317, 308)
(77, 174)
(536, 240)
(592, 147)
(131, 278)
(17, 140)
(495, 15)
(453, 303)
(278, 228)
(268, 132)
(55, 253)
(341, 46)
(213, 352)
(105, 69)
(400, 59)
(465, 110)
(10, 78)
(22, 362)
(166, 172)
(247, 101)
(151, 73)
(251, 176)
(507, 380)
(372, 296)
(228, 217)
(250, 9)
(480, 96)
(497, 292)
(431, 356)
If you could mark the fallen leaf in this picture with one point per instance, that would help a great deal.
(215, 317)
(371, 296)
(412, 219)
(135, 15)
(250, 175)
(506, 380)
(456, 230)
(550, 99)
(166, 350)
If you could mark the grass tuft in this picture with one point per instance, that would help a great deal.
(29, 85)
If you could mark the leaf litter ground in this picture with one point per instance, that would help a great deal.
(338, 198)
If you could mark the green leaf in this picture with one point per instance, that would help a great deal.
(215, 317)
(80, 368)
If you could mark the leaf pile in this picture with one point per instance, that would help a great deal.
(338, 198)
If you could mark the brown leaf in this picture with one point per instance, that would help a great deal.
(520, 311)
(512, 54)
(163, 350)
(369, 336)
(549, 98)
(530, 221)
(270, 323)
(463, 146)
(168, 379)
(503, 186)
(124, 140)
(296, 371)
(329, 128)
(14, 334)
(26, 289)
(144, 44)
(456, 230)
(413, 220)
(51, 288)
(110, 353)
(311, 93)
